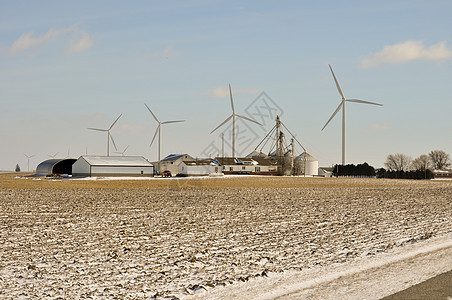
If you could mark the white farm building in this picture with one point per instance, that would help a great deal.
(112, 166)
(199, 167)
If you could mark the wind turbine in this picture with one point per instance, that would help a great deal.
(109, 136)
(28, 157)
(342, 105)
(53, 156)
(122, 153)
(233, 116)
(158, 130)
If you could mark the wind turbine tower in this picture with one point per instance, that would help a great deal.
(28, 159)
(158, 130)
(109, 136)
(233, 117)
(342, 105)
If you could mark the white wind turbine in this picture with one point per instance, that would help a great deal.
(109, 136)
(233, 116)
(158, 130)
(342, 105)
(53, 156)
(28, 158)
(124, 151)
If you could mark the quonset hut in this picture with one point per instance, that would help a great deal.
(112, 166)
(55, 166)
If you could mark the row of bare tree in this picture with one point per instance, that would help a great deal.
(435, 160)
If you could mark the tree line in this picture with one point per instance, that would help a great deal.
(400, 165)
(361, 170)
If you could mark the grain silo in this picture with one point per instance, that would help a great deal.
(306, 164)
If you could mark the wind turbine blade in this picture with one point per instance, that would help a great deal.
(152, 113)
(232, 101)
(114, 122)
(155, 134)
(103, 130)
(362, 101)
(332, 116)
(109, 134)
(337, 83)
(167, 122)
(230, 117)
(246, 118)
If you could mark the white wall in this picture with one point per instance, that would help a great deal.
(118, 171)
(198, 169)
(81, 168)
(312, 168)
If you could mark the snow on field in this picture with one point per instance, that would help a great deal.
(172, 243)
(363, 278)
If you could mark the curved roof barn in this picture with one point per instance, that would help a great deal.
(55, 166)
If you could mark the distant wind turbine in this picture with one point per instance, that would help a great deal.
(52, 156)
(122, 153)
(109, 136)
(342, 105)
(233, 116)
(158, 130)
(28, 158)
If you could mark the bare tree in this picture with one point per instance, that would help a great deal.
(398, 162)
(422, 163)
(440, 159)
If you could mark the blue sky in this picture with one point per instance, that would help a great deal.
(67, 66)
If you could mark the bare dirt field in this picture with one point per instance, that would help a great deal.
(172, 238)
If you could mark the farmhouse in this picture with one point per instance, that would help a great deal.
(248, 165)
(112, 166)
(171, 163)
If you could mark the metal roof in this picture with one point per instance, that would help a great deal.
(116, 160)
(201, 162)
(174, 157)
(306, 156)
(55, 166)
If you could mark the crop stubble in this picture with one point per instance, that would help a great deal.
(173, 237)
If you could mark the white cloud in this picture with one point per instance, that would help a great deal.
(382, 126)
(223, 92)
(28, 41)
(168, 52)
(219, 92)
(407, 51)
(81, 44)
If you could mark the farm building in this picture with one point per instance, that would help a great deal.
(325, 171)
(55, 166)
(199, 167)
(112, 166)
(171, 163)
(247, 165)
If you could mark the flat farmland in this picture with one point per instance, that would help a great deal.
(172, 238)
